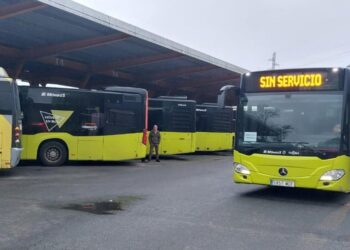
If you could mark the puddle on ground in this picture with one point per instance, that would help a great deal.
(103, 207)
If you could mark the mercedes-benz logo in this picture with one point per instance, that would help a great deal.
(283, 171)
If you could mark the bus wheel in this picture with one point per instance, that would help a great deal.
(53, 153)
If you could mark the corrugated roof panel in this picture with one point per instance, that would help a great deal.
(39, 28)
(65, 20)
(62, 29)
(98, 17)
(8, 2)
(121, 50)
(160, 66)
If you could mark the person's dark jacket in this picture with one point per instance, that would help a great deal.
(154, 138)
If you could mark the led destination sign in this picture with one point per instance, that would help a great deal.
(291, 80)
(301, 80)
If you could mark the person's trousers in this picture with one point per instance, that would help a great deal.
(151, 147)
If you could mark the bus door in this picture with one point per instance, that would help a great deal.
(1, 145)
(1, 138)
(90, 141)
(10, 145)
(5, 140)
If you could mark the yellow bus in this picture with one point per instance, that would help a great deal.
(10, 122)
(74, 124)
(293, 129)
(176, 120)
(215, 127)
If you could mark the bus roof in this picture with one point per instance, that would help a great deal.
(3, 73)
(170, 99)
(127, 90)
(213, 105)
(294, 70)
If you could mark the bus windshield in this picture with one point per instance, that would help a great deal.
(294, 123)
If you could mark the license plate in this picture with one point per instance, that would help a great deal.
(282, 183)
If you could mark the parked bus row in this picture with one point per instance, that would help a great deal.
(292, 129)
(105, 125)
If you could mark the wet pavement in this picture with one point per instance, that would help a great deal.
(186, 202)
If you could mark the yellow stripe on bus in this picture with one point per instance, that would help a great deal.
(173, 143)
(214, 141)
(107, 148)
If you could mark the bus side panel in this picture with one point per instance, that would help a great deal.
(90, 148)
(123, 147)
(173, 143)
(304, 171)
(24, 140)
(194, 141)
(200, 141)
(5, 141)
(211, 141)
(32, 143)
(227, 141)
(233, 140)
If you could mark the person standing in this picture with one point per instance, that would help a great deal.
(154, 141)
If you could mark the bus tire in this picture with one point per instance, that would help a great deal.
(53, 153)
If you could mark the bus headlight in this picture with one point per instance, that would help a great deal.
(333, 175)
(239, 168)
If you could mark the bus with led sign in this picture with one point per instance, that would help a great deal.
(291, 80)
(292, 129)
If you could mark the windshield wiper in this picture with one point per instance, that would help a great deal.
(251, 149)
(299, 144)
(315, 151)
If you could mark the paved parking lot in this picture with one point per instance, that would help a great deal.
(186, 202)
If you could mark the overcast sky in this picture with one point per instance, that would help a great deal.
(304, 33)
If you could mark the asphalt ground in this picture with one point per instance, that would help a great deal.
(185, 202)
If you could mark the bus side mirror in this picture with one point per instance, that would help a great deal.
(243, 100)
(221, 101)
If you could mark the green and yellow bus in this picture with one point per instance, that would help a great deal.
(215, 127)
(74, 124)
(176, 120)
(293, 129)
(10, 122)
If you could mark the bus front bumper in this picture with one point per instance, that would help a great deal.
(301, 172)
(305, 182)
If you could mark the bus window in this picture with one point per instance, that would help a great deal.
(121, 117)
(6, 95)
(155, 118)
(90, 121)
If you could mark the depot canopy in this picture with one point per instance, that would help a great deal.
(54, 41)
